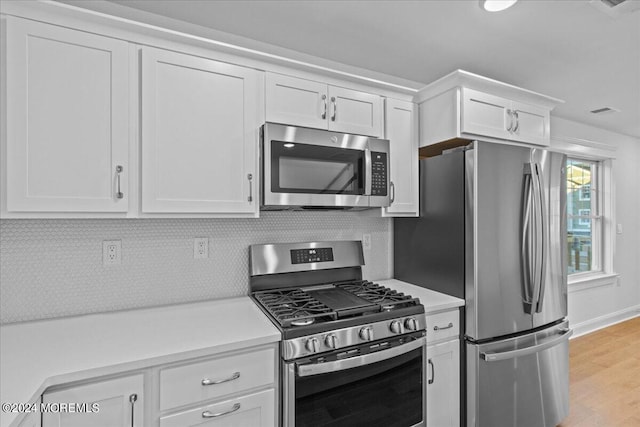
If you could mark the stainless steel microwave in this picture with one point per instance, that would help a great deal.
(317, 169)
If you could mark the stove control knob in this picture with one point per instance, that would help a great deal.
(312, 345)
(366, 333)
(331, 341)
(395, 327)
(411, 324)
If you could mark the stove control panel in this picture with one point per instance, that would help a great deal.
(305, 256)
(352, 336)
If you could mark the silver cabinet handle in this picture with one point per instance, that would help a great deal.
(324, 112)
(250, 178)
(510, 113)
(515, 115)
(335, 108)
(440, 328)
(119, 193)
(132, 400)
(392, 188)
(209, 414)
(207, 381)
(433, 372)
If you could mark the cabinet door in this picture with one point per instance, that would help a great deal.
(531, 124)
(67, 120)
(200, 133)
(485, 114)
(255, 410)
(355, 112)
(294, 101)
(443, 384)
(401, 129)
(119, 404)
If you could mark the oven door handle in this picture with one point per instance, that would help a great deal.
(354, 362)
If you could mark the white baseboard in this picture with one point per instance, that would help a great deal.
(593, 325)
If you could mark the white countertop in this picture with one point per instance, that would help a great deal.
(37, 355)
(433, 301)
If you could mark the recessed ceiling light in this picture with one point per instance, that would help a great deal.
(496, 5)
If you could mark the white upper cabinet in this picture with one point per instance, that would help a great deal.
(401, 129)
(200, 129)
(300, 102)
(463, 106)
(485, 114)
(67, 121)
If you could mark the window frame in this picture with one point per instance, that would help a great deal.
(602, 231)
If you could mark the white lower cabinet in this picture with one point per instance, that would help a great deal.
(443, 370)
(111, 403)
(33, 419)
(255, 410)
(230, 389)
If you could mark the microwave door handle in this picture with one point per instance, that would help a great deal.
(368, 171)
(354, 362)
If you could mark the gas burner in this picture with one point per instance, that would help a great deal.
(303, 322)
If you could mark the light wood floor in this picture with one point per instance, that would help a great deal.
(604, 377)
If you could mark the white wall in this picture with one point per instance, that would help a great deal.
(592, 307)
(53, 268)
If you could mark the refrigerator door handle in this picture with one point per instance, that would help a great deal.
(526, 239)
(543, 241)
(496, 357)
(538, 227)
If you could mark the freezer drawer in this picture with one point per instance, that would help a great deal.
(519, 382)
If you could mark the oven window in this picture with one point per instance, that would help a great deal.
(386, 393)
(315, 169)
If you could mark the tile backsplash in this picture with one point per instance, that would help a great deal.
(53, 268)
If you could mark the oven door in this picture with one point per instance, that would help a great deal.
(382, 388)
(314, 168)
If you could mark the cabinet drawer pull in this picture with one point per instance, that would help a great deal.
(335, 108)
(392, 188)
(207, 381)
(250, 178)
(119, 193)
(324, 100)
(440, 328)
(132, 400)
(510, 114)
(433, 372)
(515, 115)
(208, 414)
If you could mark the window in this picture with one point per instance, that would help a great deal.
(584, 222)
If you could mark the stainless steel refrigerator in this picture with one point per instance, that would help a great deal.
(492, 230)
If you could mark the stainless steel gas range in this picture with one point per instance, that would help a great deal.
(353, 352)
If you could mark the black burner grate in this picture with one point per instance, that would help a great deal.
(292, 306)
(373, 292)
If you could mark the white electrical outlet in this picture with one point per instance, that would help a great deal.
(366, 242)
(201, 247)
(112, 252)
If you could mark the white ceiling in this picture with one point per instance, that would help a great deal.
(568, 49)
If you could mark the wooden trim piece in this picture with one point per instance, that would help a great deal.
(437, 149)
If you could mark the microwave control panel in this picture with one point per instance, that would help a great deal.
(378, 174)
